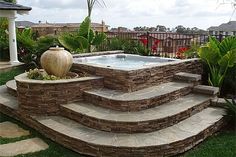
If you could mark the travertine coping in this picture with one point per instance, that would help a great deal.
(97, 53)
(24, 79)
(146, 67)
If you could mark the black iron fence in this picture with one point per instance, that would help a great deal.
(160, 44)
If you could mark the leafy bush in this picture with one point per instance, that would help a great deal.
(134, 47)
(43, 44)
(220, 58)
(84, 39)
(4, 44)
(192, 51)
(115, 44)
(231, 109)
(30, 49)
(37, 74)
(26, 46)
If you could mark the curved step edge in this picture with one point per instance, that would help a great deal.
(124, 101)
(73, 141)
(11, 87)
(136, 122)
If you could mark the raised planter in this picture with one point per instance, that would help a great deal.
(46, 96)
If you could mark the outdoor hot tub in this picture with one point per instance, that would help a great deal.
(129, 72)
(123, 61)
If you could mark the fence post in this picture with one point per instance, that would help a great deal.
(148, 40)
(220, 37)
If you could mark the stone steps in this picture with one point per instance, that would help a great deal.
(138, 100)
(148, 120)
(169, 141)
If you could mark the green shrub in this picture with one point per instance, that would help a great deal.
(221, 60)
(30, 49)
(231, 109)
(84, 39)
(4, 44)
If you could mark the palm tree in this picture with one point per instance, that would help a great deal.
(90, 4)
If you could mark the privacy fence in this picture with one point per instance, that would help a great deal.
(160, 44)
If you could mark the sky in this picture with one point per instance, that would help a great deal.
(132, 13)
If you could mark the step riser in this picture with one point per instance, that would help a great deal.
(132, 127)
(12, 92)
(136, 105)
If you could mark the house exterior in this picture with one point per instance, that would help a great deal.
(224, 29)
(42, 29)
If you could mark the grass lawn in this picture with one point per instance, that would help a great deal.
(220, 145)
(6, 76)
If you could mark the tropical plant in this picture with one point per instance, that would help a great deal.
(220, 58)
(91, 3)
(31, 49)
(44, 43)
(26, 46)
(85, 38)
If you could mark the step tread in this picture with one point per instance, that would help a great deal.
(7, 99)
(158, 112)
(210, 90)
(146, 93)
(187, 76)
(178, 132)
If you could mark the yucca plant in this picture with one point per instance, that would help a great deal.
(220, 57)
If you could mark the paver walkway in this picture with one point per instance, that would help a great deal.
(23, 147)
(11, 130)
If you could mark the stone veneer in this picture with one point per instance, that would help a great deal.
(46, 96)
(133, 80)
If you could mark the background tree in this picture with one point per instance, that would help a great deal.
(228, 2)
(161, 28)
(11, 1)
(180, 29)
